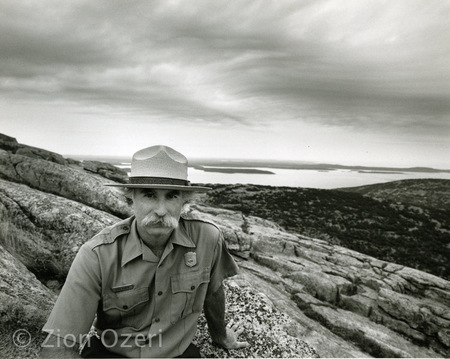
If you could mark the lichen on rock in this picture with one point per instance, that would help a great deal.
(269, 332)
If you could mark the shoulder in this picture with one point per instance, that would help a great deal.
(202, 228)
(201, 223)
(110, 234)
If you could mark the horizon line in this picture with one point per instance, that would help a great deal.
(270, 163)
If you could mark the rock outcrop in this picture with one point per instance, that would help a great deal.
(24, 306)
(106, 170)
(66, 181)
(383, 308)
(296, 296)
(10, 144)
(51, 173)
(45, 231)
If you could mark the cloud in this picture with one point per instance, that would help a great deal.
(361, 65)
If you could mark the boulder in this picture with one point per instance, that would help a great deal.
(38, 153)
(106, 170)
(8, 143)
(45, 231)
(65, 181)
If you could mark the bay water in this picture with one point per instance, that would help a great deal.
(308, 178)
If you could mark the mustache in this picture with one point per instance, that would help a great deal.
(166, 220)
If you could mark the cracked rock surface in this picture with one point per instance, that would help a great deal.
(384, 309)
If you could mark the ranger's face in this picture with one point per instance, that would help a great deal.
(157, 211)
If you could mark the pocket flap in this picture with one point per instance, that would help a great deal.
(189, 282)
(125, 301)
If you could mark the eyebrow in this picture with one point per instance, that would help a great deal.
(175, 191)
(152, 191)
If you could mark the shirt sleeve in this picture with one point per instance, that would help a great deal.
(223, 266)
(74, 310)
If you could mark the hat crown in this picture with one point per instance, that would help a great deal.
(159, 161)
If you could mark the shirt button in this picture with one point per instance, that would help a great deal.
(157, 320)
(125, 307)
(160, 293)
(193, 287)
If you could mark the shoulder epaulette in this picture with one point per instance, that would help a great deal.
(109, 234)
(202, 221)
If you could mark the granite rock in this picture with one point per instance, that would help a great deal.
(345, 291)
(67, 181)
(45, 231)
(24, 306)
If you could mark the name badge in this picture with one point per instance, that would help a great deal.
(190, 259)
(122, 288)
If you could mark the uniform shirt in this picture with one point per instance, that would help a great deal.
(145, 306)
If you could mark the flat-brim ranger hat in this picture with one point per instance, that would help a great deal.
(159, 167)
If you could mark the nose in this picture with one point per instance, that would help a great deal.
(161, 208)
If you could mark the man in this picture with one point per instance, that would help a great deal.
(147, 278)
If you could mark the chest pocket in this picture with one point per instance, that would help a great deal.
(188, 293)
(125, 309)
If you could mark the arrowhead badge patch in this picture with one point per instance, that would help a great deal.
(190, 259)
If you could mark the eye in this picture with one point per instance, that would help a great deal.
(173, 195)
(150, 194)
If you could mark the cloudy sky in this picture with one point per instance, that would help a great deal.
(335, 81)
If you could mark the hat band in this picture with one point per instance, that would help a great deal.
(159, 180)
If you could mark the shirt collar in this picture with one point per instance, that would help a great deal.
(181, 237)
(135, 248)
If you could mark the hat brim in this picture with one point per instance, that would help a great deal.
(161, 186)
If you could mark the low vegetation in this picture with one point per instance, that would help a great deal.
(433, 193)
(406, 234)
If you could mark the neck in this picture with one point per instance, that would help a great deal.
(155, 241)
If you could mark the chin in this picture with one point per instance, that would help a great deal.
(159, 230)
